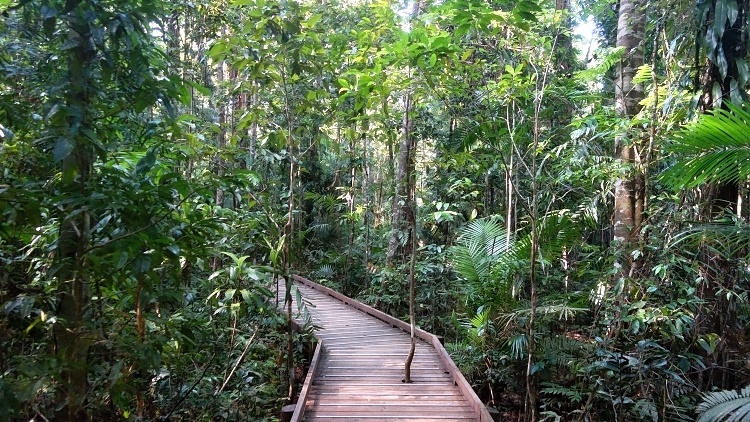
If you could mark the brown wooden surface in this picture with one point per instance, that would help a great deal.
(359, 371)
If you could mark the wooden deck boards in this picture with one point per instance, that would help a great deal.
(360, 371)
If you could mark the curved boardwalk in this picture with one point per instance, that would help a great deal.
(358, 373)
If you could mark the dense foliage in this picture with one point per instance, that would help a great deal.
(575, 209)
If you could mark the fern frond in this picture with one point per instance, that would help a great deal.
(571, 395)
(643, 74)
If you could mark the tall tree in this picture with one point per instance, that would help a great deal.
(629, 188)
(71, 336)
(402, 213)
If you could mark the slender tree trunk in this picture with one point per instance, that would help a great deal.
(411, 218)
(71, 336)
(221, 137)
(254, 127)
(406, 165)
(630, 36)
(412, 293)
(400, 201)
(351, 198)
(509, 220)
(288, 237)
(366, 197)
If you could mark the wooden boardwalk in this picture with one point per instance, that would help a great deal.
(358, 369)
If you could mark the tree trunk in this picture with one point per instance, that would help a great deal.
(70, 334)
(630, 36)
(288, 230)
(221, 137)
(403, 185)
(406, 165)
(366, 197)
(412, 293)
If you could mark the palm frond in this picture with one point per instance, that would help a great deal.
(326, 271)
(321, 229)
(480, 326)
(727, 237)
(518, 345)
(725, 406)
(557, 231)
(713, 149)
(478, 247)
(327, 202)
(483, 244)
(594, 73)
(557, 309)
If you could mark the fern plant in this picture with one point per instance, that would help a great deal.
(725, 406)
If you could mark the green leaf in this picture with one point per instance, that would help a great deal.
(122, 259)
(264, 291)
(522, 18)
(141, 264)
(743, 71)
(63, 148)
(528, 6)
(247, 296)
(643, 74)
(146, 162)
(732, 11)
(717, 92)
(721, 62)
(217, 50)
(49, 20)
(720, 17)
(313, 20)
(198, 87)
(433, 60)
(735, 96)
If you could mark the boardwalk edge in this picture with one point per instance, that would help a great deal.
(299, 410)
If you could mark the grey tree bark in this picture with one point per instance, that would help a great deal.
(631, 26)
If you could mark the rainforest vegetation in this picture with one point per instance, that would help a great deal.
(571, 179)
